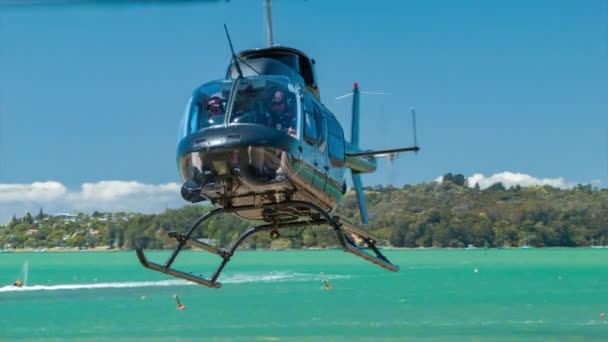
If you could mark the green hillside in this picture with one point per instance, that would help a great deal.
(447, 214)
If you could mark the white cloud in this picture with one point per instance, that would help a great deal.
(107, 191)
(509, 179)
(37, 191)
(112, 196)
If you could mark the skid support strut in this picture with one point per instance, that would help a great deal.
(340, 226)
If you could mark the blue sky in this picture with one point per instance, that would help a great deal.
(91, 96)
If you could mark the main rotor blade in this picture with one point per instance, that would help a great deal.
(363, 92)
(49, 3)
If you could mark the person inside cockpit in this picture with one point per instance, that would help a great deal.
(214, 106)
(282, 113)
(211, 111)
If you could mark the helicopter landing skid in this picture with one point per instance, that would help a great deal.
(343, 229)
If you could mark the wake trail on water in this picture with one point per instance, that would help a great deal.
(236, 278)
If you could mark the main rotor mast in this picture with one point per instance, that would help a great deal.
(268, 7)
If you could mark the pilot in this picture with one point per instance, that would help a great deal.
(282, 114)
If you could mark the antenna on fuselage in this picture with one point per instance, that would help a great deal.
(268, 7)
(234, 57)
(606, 160)
(414, 127)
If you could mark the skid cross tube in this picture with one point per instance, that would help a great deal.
(340, 226)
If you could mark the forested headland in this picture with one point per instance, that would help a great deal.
(438, 214)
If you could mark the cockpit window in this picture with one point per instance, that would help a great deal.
(183, 125)
(335, 139)
(208, 106)
(266, 102)
(263, 100)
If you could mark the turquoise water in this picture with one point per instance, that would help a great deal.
(439, 295)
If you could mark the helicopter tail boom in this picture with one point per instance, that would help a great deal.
(383, 153)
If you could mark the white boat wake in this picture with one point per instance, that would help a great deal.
(236, 278)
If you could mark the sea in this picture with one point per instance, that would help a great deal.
(480, 294)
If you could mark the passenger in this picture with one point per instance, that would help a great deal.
(18, 283)
(282, 117)
(210, 112)
(214, 106)
(282, 114)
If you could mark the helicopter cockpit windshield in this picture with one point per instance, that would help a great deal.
(262, 100)
(207, 106)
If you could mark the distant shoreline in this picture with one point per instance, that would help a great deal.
(106, 249)
(61, 250)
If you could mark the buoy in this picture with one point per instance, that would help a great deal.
(602, 315)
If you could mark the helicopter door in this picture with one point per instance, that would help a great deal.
(314, 143)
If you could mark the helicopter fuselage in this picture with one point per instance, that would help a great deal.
(250, 164)
(244, 155)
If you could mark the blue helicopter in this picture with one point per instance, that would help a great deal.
(260, 144)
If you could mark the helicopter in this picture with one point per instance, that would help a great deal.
(260, 144)
(238, 154)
